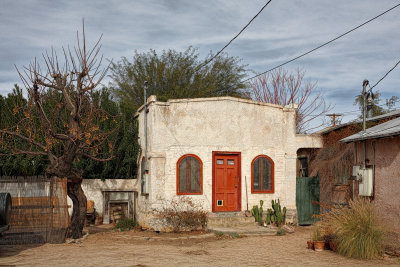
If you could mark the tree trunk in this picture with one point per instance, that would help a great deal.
(78, 218)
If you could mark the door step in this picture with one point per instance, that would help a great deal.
(229, 219)
(232, 223)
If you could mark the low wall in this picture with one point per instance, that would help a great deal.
(93, 189)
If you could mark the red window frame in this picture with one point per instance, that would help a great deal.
(253, 191)
(177, 175)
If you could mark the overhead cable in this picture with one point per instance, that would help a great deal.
(324, 44)
(237, 35)
(384, 76)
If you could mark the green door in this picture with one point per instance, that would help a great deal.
(307, 199)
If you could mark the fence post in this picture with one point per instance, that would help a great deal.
(50, 228)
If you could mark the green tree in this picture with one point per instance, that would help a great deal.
(16, 165)
(376, 108)
(174, 75)
(125, 143)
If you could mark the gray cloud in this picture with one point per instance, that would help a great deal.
(284, 30)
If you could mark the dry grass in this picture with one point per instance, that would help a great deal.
(356, 230)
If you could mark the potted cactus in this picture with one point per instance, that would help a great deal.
(319, 242)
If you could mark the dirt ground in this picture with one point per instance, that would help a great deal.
(104, 247)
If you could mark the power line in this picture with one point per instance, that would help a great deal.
(384, 76)
(324, 44)
(237, 35)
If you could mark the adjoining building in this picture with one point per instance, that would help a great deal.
(381, 179)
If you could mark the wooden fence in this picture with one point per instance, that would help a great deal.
(39, 212)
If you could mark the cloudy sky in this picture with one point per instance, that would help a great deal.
(282, 31)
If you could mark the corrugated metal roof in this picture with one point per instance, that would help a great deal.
(394, 113)
(389, 128)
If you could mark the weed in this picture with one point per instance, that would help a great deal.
(219, 233)
(126, 225)
(280, 232)
(234, 235)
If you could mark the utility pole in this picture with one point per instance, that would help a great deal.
(334, 115)
(364, 93)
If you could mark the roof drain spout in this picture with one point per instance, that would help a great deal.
(145, 180)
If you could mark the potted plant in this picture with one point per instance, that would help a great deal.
(319, 242)
(331, 239)
(310, 244)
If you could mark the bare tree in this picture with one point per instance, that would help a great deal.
(62, 118)
(281, 88)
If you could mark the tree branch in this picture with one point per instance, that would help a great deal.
(94, 158)
(27, 139)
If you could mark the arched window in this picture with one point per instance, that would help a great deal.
(262, 175)
(189, 175)
(143, 176)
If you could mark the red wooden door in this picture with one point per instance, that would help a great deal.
(226, 182)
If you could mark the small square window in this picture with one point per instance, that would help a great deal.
(220, 202)
(220, 162)
(231, 162)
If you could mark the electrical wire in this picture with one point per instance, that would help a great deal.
(384, 76)
(324, 44)
(236, 36)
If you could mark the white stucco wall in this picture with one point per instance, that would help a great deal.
(93, 189)
(201, 126)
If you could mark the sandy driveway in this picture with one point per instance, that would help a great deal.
(151, 249)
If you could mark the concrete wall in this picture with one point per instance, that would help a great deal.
(201, 126)
(384, 155)
(93, 189)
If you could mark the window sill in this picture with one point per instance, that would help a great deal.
(263, 192)
(179, 194)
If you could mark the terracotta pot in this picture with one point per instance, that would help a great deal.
(310, 244)
(333, 245)
(319, 245)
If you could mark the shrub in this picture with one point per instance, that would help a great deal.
(356, 230)
(126, 225)
(183, 214)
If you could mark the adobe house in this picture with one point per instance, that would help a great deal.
(225, 153)
(382, 146)
(334, 162)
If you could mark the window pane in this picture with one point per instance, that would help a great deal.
(143, 171)
(256, 175)
(220, 161)
(262, 174)
(189, 175)
(231, 162)
(182, 175)
(195, 176)
(267, 174)
(303, 168)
